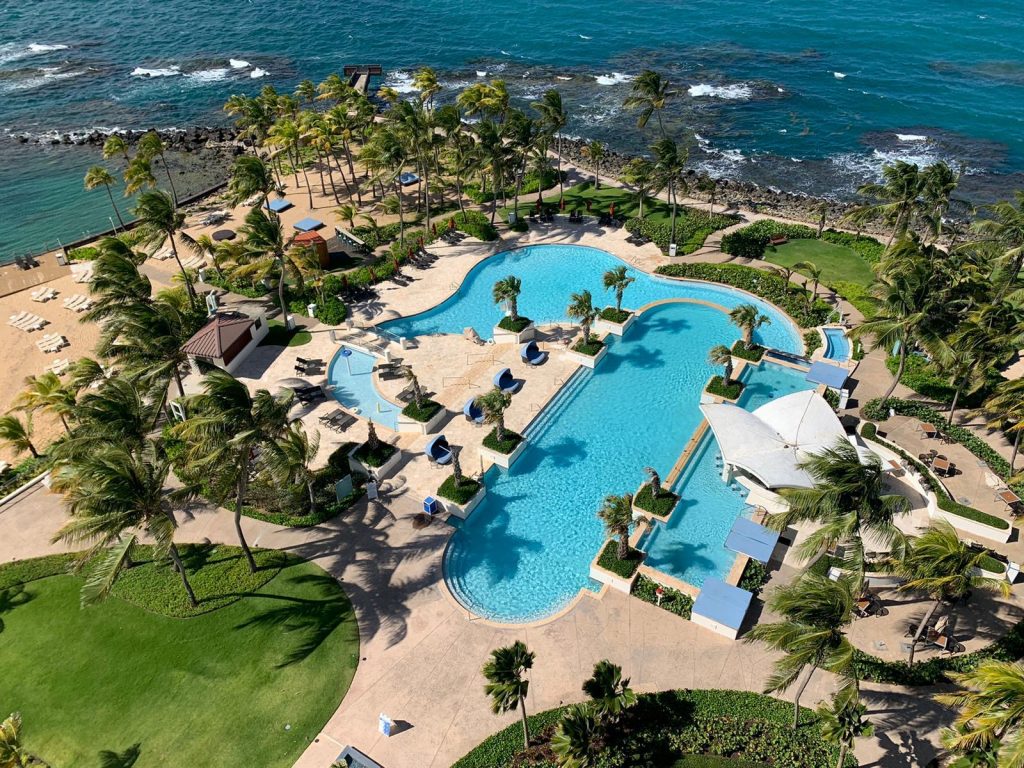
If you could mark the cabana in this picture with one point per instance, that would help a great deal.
(278, 205)
(406, 179)
(532, 354)
(721, 608)
(473, 412)
(830, 375)
(506, 382)
(438, 451)
(753, 540)
(315, 242)
(309, 224)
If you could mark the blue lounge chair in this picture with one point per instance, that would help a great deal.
(473, 412)
(437, 451)
(532, 354)
(506, 382)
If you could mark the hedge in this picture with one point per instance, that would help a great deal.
(376, 236)
(768, 285)
(692, 229)
(25, 571)
(672, 600)
(609, 560)
(661, 506)
(750, 242)
(21, 473)
(755, 576)
(753, 355)
(729, 391)
(591, 349)
(424, 412)
(509, 441)
(970, 513)
(461, 492)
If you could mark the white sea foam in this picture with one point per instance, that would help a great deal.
(614, 78)
(505, 53)
(158, 72)
(586, 37)
(258, 72)
(400, 82)
(46, 76)
(481, 73)
(14, 51)
(735, 91)
(208, 75)
(238, 63)
(42, 48)
(911, 137)
(563, 77)
(839, 75)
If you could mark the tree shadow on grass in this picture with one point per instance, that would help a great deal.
(311, 620)
(12, 598)
(126, 759)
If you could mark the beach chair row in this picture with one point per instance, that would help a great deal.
(52, 342)
(78, 303)
(27, 321)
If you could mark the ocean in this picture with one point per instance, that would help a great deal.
(805, 97)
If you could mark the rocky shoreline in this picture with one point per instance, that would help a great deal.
(191, 139)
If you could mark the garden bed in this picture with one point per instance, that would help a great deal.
(424, 411)
(518, 325)
(461, 493)
(661, 506)
(672, 600)
(753, 354)
(377, 457)
(617, 316)
(509, 442)
(717, 386)
(609, 560)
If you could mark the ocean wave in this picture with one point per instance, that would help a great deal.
(258, 72)
(911, 137)
(614, 78)
(238, 63)
(14, 51)
(42, 48)
(839, 75)
(157, 72)
(42, 76)
(401, 82)
(735, 91)
(563, 77)
(481, 73)
(208, 75)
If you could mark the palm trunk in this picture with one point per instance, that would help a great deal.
(309, 189)
(32, 449)
(956, 396)
(623, 549)
(899, 372)
(401, 214)
(312, 496)
(920, 631)
(842, 756)
(526, 726)
(672, 194)
(1013, 456)
(243, 482)
(176, 559)
(558, 152)
(188, 283)
(170, 180)
(280, 296)
(177, 380)
(64, 421)
(799, 693)
(499, 429)
(458, 192)
(114, 206)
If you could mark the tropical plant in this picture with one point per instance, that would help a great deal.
(507, 290)
(814, 272)
(574, 740)
(748, 319)
(938, 563)
(266, 245)
(938, 183)
(814, 613)
(506, 681)
(669, 165)
(286, 134)
(595, 152)
(842, 721)
(493, 404)
(642, 176)
(896, 199)
(17, 434)
(414, 384)
(159, 222)
(250, 176)
(655, 481)
(138, 174)
(553, 119)
(610, 694)
(98, 176)
(617, 279)
(289, 458)
(46, 392)
(722, 355)
(581, 308)
(151, 146)
(991, 712)
(115, 145)
(348, 213)
(1006, 229)
(1007, 408)
(649, 95)
(12, 753)
(425, 81)
(617, 515)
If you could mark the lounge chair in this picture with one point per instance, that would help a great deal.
(473, 412)
(506, 382)
(532, 354)
(437, 451)
(59, 367)
(311, 361)
(471, 334)
(328, 417)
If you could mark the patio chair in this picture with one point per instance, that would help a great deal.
(329, 417)
(342, 422)
(506, 382)
(311, 361)
(532, 354)
(438, 451)
(473, 412)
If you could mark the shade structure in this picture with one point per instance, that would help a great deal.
(223, 234)
(408, 178)
(753, 540)
(308, 224)
(830, 375)
(278, 204)
(721, 607)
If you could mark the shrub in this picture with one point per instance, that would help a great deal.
(423, 412)
(249, 290)
(744, 245)
(475, 224)
(692, 229)
(461, 492)
(609, 560)
(672, 600)
(374, 237)
(729, 391)
(661, 506)
(25, 571)
(812, 342)
(832, 398)
(591, 349)
(970, 513)
(376, 458)
(509, 441)
(521, 323)
(755, 576)
(750, 242)
(754, 354)
(611, 315)
(84, 253)
(21, 473)
(337, 462)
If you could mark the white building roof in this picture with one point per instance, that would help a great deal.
(772, 441)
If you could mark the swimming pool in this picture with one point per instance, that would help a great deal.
(351, 380)
(550, 274)
(837, 345)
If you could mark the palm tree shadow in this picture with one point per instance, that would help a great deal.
(126, 759)
(12, 598)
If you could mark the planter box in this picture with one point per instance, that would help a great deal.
(707, 397)
(641, 512)
(501, 336)
(378, 472)
(973, 527)
(407, 424)
(997, 575)
(586, 360)
(505, 460)
(616, 582)
(607, 326)
(463, 510)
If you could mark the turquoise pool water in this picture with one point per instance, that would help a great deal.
(550, 274)
(352, 382)
(690, 546)
(837, 345)
(525, 551)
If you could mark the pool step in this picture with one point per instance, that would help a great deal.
(576, 381)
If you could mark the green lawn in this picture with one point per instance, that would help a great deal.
(278, 336)
(837, 263)
(225, 683)
(576, 198)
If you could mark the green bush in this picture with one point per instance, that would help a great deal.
(672, 600)
(460, 493)
(812, 342)
(729, 391)
(661, 506)
(859, 296)
(921, 376)
(768, 285)
(249, 290)
(692, 229)
(753, 355)
(25, 571)
(423, 412)
(832, 398)
(521, 324)
(509, 441)
(21, 473)
(337, 462)
(970, 513)
(609, 560)
(755, 576)
(374, 237)
(744, 245)
(591, 349)
(375, 458)
(612, 315)
(867, 248)
(84, 253)
(750, 242)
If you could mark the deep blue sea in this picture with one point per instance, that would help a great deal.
(804, 96)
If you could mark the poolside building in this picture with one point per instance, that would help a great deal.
(225, 341)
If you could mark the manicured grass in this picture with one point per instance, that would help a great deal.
(225, 683)
(279, 336)
(837, 262)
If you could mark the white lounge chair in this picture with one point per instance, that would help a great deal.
(59, 366)
(19, 317)
(55, 344)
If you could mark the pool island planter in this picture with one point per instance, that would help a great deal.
(384, 470)
(618, 329)
(587, 361)
(504, 460)
(463, 510)
(615, 581)
(505, 336)
(409, 424)
(639, 511)
(711, 397)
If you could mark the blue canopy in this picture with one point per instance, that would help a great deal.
(753, 540)
(830, 375)
(722, 603)
(278, 204)
(408, 178)
(308, 224)
(472, 411)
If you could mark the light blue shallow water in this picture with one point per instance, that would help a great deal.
(550, 274)
(837, 345)
(352, 382)
(690, 546)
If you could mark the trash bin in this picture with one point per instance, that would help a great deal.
(431, 506)
(671, 250)
(311, 310)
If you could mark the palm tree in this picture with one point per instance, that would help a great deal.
(842, 721)
(574, 739)
(506, 682)
(655, 481)
(159, 222)
(709, 187)
(12, 753)
(553, 118)
(493, 404)
(722, 355)
(250, 176)
(617, 515)
(669, 165)
(896, 198)
(116, 414)
(610, 694)
(414, 384)
(507, 291)
(848, 500)
(815, 612)
(1007, 402)
(46, 392)
(939, 563)
(225, 428)
(748, 319)
(151, 146)
(1006, 229)
(939, 181)
(138, 174)
(287, 135)
(812, 270)
(581, 307)
(289, 458)
(650, 95)
(116, 145)
(347, 213)
(965, 364)
(595, 152)
(641, 174)
(991, 711)
(98, 176)
(17, 434)
(494, 156)
(425, 81)
(265, 243)
(617, 279)
(110, 494)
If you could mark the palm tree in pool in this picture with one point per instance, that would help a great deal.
(813, 272)
(990, 712)
(815, 612)
(617, 515)
(618, 279)
(722, 355)
(507, 291)
(897, 199)
(581, 308)
(494, 404)
(46, 392)
(98, 176)
(1007, 403)
(650, 95)
(152, 146)
(159, 222)
(938, 563)
(748, 319)
(110, 493)
(250, 176)
(670, 164)
(553, 118)
(1006, 229)
(595, 152)
(226, 427)
(609, 692)
(642, 176)
(17, 434)
(842, 721)
(265, 244)
(507, 685)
